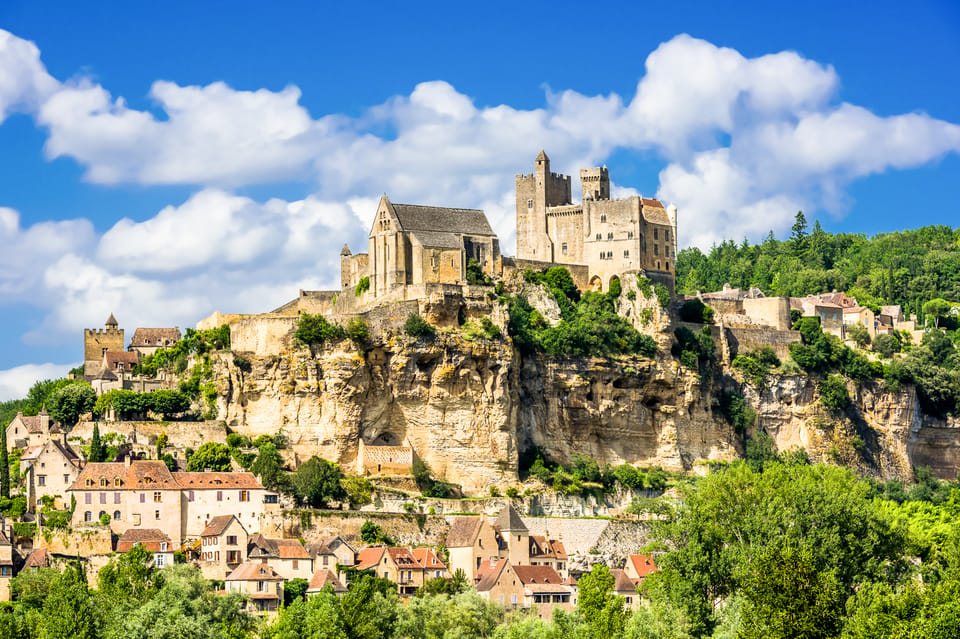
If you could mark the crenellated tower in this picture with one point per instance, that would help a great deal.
(535, 193)
(97, 341)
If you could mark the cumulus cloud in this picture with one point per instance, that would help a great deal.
(16, 381)
(24, 81)
(744, 143)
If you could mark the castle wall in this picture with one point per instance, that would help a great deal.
(183, 434)
(742, 340)
(218, 319)
(263, 334)
(772, 311)
(95, 343)
(514, 267)
(565, 228)
(352, 269)
(612, 238)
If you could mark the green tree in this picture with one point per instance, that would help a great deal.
(370, 608)
(416, 326)
(212, 456)
(97, 451)
(317, 483)
(67, 403)
(798, 234)
(69, 611)
(833, 393)
(268, 466)
(316, 329)
(4, 465)
(599, 606)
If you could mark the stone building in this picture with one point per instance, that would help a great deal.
(96, 343)
(414, 245)
(27, 432)
(147, 341)
(49, 470)
(610, 236)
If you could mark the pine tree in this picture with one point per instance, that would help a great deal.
(798, 234)
(4, 465)
(96, 447)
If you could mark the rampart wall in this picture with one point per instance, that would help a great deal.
(183, 434)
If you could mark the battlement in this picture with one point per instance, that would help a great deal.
(103, 331)
(553, 176)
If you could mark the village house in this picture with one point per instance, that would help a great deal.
(860, 315)
(537, 587)
(396, 564)
(322, 578)
(432, 567)
(259, 582)
(49, 470)
(332, 553)
(7, 564)
(624, 586)
(145, 494)
(223, 546)
(37, 559)
(288, 556)
(639, 567)
(28, 432)
(152, 539)
(472, 543)
(147, 341)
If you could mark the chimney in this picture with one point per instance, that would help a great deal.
(128, 459)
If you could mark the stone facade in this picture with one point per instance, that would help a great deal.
(96, 343)
(609, 236)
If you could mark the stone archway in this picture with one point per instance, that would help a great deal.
(615, 278)
(596, 284)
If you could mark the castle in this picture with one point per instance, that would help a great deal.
(411, 247)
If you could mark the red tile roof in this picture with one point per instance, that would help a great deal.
(217, 525)
(149, 538)
(322, 578)
(403, 558)
(643, 564)
(38, 558)
(428, 559)
(537, 575)
(369, 557)
(488, 575)
(254, 571)
(217, 481)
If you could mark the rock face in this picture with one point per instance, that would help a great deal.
(469, 407)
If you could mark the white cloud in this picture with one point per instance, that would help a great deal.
(745, 143)
(24, 81)
(16, 381)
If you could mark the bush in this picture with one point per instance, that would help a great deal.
(242, 363)
(105, 519)
(359, 490)
(315, 329)
(372, 533)
(416, 326)
(645, 286)
(859, 334)
(833, 393)
(735, 409)
(756, 364)
(663, 295)
(66, 404)
(696, 311)
(362, 286)
(628, 476)
(357, 331)
(694, 349)
(886, 345)
(475, 274)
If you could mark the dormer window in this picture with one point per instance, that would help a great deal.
(88, 483)
(116, 482)
(103, 482)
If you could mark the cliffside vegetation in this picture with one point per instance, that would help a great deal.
(589, 324)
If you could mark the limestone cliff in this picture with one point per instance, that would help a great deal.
(470, 405)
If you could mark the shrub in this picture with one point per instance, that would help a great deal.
(694, 349)
(886, 345)
(416, 326)
(494, 491)
(859, 334)
(242, 363)
(362, 286)
(645, 286)
(628, 476)
(104, 519)
(756, 364)
(735, 409)
(315, 329)
(512, 492)
(663, 295)
(833, 393)
(359, 490)
(372, 533)
(357, 331)
(475, 274)
(646, 316)
(631, 295)
(696, 311)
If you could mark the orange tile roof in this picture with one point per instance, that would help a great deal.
(463, 532)
(369, 557)
(217, 525)
(322, 578)
(403, 557)
(139, 475)
(428, 559)
(643, 564)
(254, 571)
(488, 576)
(537, 575)
(149, 538)
(623, 583)
(217, 481)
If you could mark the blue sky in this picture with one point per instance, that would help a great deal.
(161, 161)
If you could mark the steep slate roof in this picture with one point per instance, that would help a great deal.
(34, 425)
(326, 546)
(217, 525)
(463, 532)
(891, 311)
(433, 239)
(106, 374)
(154, 336)
(217, 480)
(254, 571)
(149, 538)
(415, 217)
(509, 519)
(322, 578)
(123, 357)
(654, 212)
(139, 475)
(643, 564)
(281, 548)
(111, 321)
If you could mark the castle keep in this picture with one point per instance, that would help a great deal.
(608, 236)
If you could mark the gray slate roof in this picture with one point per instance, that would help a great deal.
(414, 217)
(433, 239)
(509, 519)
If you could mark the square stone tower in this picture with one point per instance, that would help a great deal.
(534, 194)
(96, 342)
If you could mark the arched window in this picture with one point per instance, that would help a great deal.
(116, 515)
(103, 482)
(88, 516)
(116, 481)
(101, 514)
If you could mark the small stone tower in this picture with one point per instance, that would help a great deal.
(96, 342)
(516, 534)
(595, 183)
(535, 193)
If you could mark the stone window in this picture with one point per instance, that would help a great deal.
(296, 564)
(156, 514)
(66, 479)
(136, 519)
(87, 498)
(116, 515)
(116, 498)
(529, 204)
(103, 498)
(603, 218)
(244, 495)
(231, 540)
(88, 483)
(41, 480)
(88, 516)
(219, 495)
(609, 236)
(143, 498)
(116, 482)
(629, 235)
(100, 515)
(599, 236)
(656, 234)
(563, 248)
(157, 496)
(626, 253)
(668, 265)
(656, 248)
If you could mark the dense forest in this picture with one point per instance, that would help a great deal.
(909, 268)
